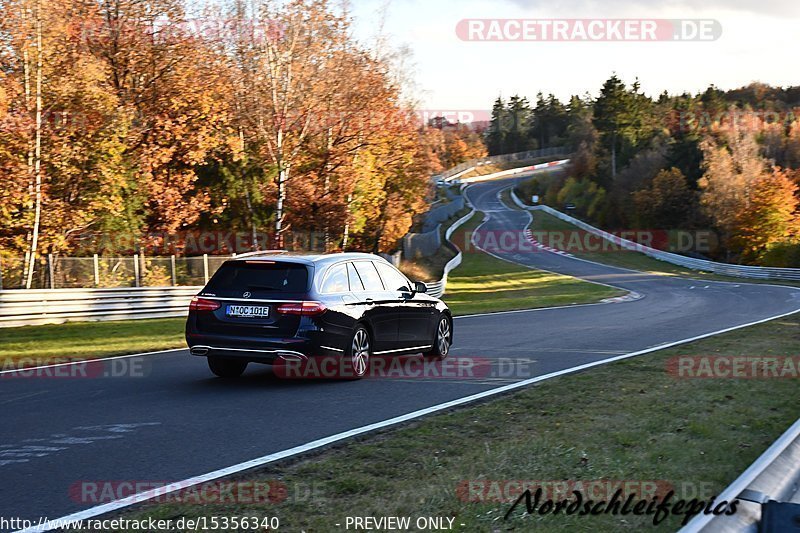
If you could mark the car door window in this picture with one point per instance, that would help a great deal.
(369, 276)
(392, 279)
(355, 281)
(335, 280)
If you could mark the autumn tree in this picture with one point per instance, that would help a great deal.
(460, 144)
(769, 216)
(127, 116)
(171, 110)
(585, 195)
(667, 202)
(730, 169)
(286, 82)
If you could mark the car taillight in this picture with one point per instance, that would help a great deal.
(302, 308)
(201, 304)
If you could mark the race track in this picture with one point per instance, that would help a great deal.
(178, 421)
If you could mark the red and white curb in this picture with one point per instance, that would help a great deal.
(541, 246)
(630, 297)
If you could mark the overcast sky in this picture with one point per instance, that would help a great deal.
(759, 42)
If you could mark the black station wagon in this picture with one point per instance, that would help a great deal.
(278, 308)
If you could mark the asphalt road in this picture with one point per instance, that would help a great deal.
(169, 419)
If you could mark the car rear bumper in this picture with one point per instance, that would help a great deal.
(263, 350)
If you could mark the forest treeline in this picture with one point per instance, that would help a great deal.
(126, 122)
(728, 161)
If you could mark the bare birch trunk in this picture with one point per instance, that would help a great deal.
(37, 167)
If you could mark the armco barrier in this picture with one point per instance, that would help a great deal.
(421, 244)
(463, 168)
(54, 306)
(440, 213)
(437, 288)
(515, 171)
(725, 269)
(775, 475)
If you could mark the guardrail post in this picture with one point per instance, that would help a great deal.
(172, 270)
(136, 270)
(25, 267)
(51, 271)
(205, 267)
(96, 271)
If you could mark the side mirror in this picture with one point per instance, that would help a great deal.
(420, 287)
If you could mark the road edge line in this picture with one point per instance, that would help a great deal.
(83, 361)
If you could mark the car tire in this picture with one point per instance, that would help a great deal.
(226, 367)
(442, 339)
(355, 362)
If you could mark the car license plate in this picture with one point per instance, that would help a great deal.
(247, 311)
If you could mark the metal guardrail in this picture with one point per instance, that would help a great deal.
(516, 171)
(440, 213)
(466, 166)
(725, 269)
(437, 288)
(55, 306)
(773, 476)
(422, 244)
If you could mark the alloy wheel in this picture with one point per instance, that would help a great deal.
(443, 337)
(359, 352)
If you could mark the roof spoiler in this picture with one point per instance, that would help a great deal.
(260, 252)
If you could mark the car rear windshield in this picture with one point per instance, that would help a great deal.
(259, 278)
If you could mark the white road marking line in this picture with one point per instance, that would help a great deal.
(83, 361)
(320, 443)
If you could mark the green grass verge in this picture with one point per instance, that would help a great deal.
(86, 340)
(483, 283)
(629, 420)
(629, 259)
(505, 197)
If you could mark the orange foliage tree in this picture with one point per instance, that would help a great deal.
(769, 216)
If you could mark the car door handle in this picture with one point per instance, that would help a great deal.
(369, 301)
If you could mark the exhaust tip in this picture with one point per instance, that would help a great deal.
(292, 356)
(199, 350)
